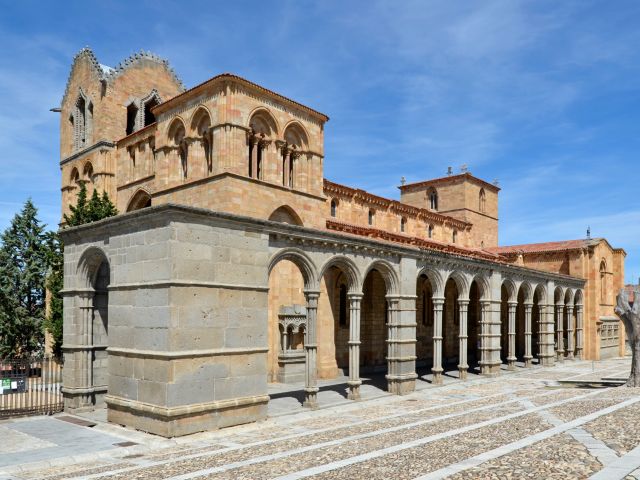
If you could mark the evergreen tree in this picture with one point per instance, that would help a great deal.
(55, 280)
(24, 260)
(79, 212)
(108, 208)
(97, 208)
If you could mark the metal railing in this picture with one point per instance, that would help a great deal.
(30, 386)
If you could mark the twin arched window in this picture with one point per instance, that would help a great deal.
(433, 199)
(81, 120)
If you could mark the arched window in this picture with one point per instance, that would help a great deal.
(343, 305)
(177, 135)
(75, 176)
(482, 201)
(201, 125)
(603, 282)
(371, 216)
(333, 208)
(433, 199)
(148, 103)
(262, 130)
(430, 231)
(403, 224)
(132, 118)
(81, 121)
(454, 236)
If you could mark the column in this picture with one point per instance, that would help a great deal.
(559, 333)
(490, 338)
(511, 354)
(570, 329)
(401, 344)
(579, 333)
(354, 381)
(86, 341)
(436, 369)
(285, 166)
(463, 367)
(527, 335)
(311, 352)
(253, 167)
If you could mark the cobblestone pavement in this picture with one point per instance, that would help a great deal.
(525, 424)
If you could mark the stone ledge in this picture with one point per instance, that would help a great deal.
(213, 352)
(170, 413)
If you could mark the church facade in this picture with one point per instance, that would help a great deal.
(235, 263)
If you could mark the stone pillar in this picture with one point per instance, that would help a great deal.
(86, 309)
(546, 342)
(436, 369)
(463, 366)
(559, 332)
(490, 337)
(311, 351)
(570, 329)
(511, 355)
(255, 145)
(285, 166)
(579, 333)
(354, 381)
(401, 344)
(527, 335)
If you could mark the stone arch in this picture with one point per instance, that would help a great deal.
(87, 172)
(74, 177)
(296, 135)
(558, 295)
(348, 267)
(435, 278)
(147, 103)
(388, 274)
(484, 288)
(462, 283)
(568, 296)
(511, 289)
(540, 291)
(89, 264)
(527, 292)
(176, 130)
(578, 297)
(285, 214)
(140, 199)
(200, 120)
(304, 263)
(262, 121)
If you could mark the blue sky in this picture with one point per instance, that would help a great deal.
(543, 96)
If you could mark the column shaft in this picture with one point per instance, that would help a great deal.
(511, 355)
(570, 330)
(527, 335)
(436, 369)
(463, 367)
(579, 333)
(354, 346)
(311, 352)
(559, 332)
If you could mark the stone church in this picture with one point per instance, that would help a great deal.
(234, 263)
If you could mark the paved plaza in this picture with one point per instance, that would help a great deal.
(556, 422)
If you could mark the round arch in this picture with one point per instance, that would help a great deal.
(578, 297)
(87, 171)
(462, 283)
(89, 264)
(435, 278)
(558, 295)
(348, 267)
(512, 290)
(484, 287)
(294, 133)
(285, 214)
(302, 261)
(261, 120)
(176, 130)
(200, 117)
(527, 291)
(140, 199)
(388, 273)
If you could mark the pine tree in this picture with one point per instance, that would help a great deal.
(79, 211)
(55, 280)
(94, 207)
(24, 262)
(108, 208)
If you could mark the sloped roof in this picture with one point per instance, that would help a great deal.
(108, 74)
(545, 246)
(449, 179)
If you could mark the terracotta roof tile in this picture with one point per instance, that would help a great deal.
(544, 247)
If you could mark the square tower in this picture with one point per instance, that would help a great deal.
(463, 197)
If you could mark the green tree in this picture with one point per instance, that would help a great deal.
(24, 261)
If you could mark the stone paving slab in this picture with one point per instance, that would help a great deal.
(481, 424)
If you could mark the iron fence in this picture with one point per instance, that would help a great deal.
(30, 386)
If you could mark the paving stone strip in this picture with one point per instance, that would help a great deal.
(511, 447)
(369, 455)
(295, 440)
(625, 465)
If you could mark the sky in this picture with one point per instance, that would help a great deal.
(543, 96)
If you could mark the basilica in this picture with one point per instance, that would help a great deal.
(234, 263)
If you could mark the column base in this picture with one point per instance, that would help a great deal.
(354, 390)
(401, 385)
(547, 361)
(437, 376)
(310, 398)
(570, 356)
(560, 356)
(579, 355)
(528, 362)
(511, 364)
(463, 372)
